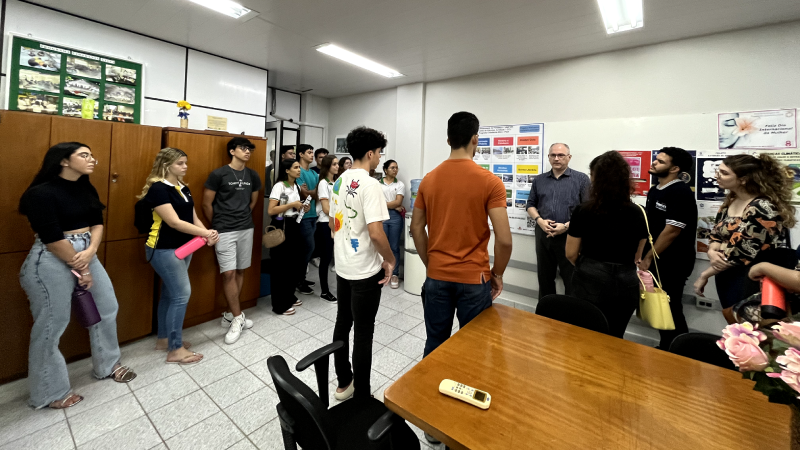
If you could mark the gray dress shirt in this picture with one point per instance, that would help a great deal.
(555, 198)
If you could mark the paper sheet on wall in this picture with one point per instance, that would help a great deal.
(640, 166)
(771, 129)
(706, 218)
(513, 153)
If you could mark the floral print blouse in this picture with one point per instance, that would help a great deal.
(759, 228)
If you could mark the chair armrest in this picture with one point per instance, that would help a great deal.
(381, 427)
(312, 357)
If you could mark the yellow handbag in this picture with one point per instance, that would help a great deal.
(654, 306)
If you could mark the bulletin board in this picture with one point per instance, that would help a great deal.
(50, 78)
(514, 154)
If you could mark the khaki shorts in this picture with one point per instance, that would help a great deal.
(234, 250)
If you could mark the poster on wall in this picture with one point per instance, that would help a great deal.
(771, 129)
(51, 78)
(706, 175)
(686, 177)
(640, 168)
(513, 153)
(706, 218)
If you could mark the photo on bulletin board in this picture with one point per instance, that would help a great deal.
(52, 78)
(341, 145)
(771, 129)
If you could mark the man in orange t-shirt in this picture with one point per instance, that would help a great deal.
(454, 201)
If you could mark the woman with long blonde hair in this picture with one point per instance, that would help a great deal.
(175, 223)
(756, 216)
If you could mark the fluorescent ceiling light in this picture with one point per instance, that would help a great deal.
(226, 7)
(357, 60)
(621, 15)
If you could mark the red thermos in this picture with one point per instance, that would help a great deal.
(190, 247)
(773, 300)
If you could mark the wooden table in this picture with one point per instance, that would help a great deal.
(557, 386)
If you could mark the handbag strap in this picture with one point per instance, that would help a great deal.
(652, 245)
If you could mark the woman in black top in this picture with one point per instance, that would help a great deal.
(66, 213)
(606, 237)
(175, 223)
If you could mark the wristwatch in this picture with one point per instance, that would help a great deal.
(536, 219)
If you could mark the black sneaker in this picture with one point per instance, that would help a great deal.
(328, 297)
(303, 289)
(308, 283)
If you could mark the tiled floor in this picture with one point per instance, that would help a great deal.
(226, 401)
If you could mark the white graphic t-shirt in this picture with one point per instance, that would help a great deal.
(358, 200)
(324, 190)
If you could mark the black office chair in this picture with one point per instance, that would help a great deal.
(701, 347)
(574, 311)
(352, 425)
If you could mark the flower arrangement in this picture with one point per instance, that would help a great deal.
(183, 109)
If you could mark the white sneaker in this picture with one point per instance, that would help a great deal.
(227, 318)
(235, 331)
(344, 395)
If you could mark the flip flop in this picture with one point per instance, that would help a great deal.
(186, 345)
(183, 361)
(123, 374)
(60, 404)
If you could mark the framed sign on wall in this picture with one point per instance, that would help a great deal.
(50, 78)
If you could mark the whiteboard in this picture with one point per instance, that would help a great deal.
(220, 83)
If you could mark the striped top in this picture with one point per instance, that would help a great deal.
(556, 198)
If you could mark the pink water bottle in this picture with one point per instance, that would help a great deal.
(190, 247)
(646, 280)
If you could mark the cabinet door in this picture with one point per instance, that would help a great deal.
(23, 137)
(133, 150)
(14, 334)
(95, 134)
(132, 277)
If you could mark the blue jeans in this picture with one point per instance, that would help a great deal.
(175, 292)
(48, 282)
(394, 231)
(441, 299)
(308, 227)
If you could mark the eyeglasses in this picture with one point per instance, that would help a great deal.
(558, 155)
(87, 156)
(245, 149)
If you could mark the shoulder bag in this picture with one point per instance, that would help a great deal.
(274, 237)
(654, 306)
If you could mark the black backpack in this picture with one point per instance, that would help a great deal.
(143, 216)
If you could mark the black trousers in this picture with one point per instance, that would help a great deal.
(358, 305)
(550, 258)
(287, 263)
(324, 246)
(614, 288)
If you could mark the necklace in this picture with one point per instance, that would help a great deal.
(244, 175)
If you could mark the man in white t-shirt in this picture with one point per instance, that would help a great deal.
(364, 260)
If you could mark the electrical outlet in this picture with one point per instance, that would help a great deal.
(704, 303)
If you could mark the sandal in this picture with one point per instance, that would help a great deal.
(183, 361)
(62, 404)
(289, 312)
(298, 303)
(123, 374)
(186, 345)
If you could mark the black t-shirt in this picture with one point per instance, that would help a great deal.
(674, 205)
(162, 236)
(612, 236)
(232, 201)
(61, 205)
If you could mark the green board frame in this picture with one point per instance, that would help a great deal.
(62, 52)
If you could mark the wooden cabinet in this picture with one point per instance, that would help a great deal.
(132, 277)
(207, 151)
(133, 150)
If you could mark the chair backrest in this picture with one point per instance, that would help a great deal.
(312, 428)
(701, 347)
(574, 311)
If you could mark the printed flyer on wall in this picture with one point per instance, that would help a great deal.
(706, 218)
(640, 166)
(771, 129)
(791, 159)
(706, 167)
(514, 154)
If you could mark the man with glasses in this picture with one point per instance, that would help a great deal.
(231, 193)
(553, 196)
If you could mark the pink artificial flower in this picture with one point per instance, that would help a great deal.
(741, 329)
(788, 332)
(745, 354)
(790, 363)
(744, 126)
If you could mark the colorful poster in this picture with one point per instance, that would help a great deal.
(515, 154)
(687, 177)
(706, 218)
(792, 161)
(771, 129)
(640, 166)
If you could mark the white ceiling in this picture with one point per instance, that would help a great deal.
(426, 40)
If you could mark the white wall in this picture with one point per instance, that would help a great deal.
(213, 85)
(638, 99)
(376, 110)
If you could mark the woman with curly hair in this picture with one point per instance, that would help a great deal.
(606, 237)
(755, 216)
